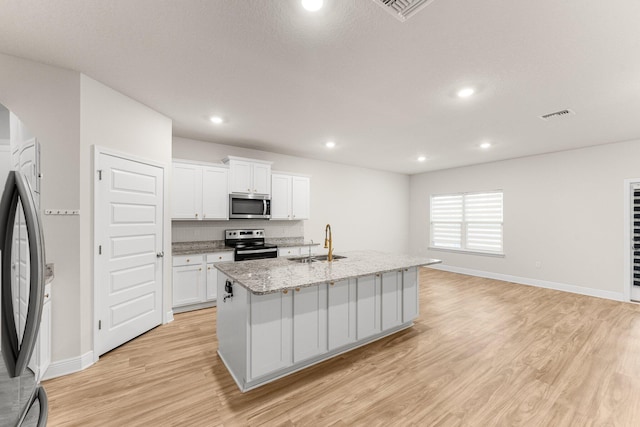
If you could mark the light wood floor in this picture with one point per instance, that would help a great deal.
(482, 353)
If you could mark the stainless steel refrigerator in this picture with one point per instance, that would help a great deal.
(23, 402)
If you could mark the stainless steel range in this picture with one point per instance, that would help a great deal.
(249, 244)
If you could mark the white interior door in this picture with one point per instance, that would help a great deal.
(129, 238)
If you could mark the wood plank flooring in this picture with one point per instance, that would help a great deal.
(482, 353)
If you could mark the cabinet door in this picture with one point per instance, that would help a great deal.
(188, 285)
(368, 306)
(261, 178)
(309, 322)
(215, 193)
(44, 340)
(280, 196)
(270, 334)
(410, 301)
(300, 197)
(212, 282)
(342, 313)
(241, 176)
(391, 299)
(186, 194)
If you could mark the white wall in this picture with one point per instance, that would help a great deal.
(367, 209)
(565, 210)
(4, 125)
(47, 100)
(118, 123)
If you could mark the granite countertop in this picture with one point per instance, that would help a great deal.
(276, 274)
(192, 248)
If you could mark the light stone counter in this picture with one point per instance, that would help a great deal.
(276, 274)
(204, 247)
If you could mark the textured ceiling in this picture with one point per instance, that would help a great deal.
(288, 80)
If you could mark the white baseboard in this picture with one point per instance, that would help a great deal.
(68, 366)
(616, 296)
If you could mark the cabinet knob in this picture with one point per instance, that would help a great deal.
(332, 283)
(406, 269)
(255, 190)
(196, 215)
(188, 260)
(208, 268)
(297, 289)
(248, 190)
(286, 291)
(200, 269)
(46, 295)
(377, 274)
(219, 257)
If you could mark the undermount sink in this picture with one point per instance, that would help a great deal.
(315, 258)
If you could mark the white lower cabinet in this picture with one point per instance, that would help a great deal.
(264, 337)
(195, 279)
(342, 313)
(309, 322)
(368, 313)
(410, 302)
(270, 329)
(391, 299)
(188, 283)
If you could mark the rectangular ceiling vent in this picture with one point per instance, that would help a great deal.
(557, 115)
(403, 9)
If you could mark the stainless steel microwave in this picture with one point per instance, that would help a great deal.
(249, 206)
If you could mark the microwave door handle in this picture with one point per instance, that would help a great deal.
(9, 334)
(264, 207)
(36, 273)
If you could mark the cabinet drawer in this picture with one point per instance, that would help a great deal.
(220, 257)
(289, 251)
(187, 260)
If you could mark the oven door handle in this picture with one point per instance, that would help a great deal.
(256, 251)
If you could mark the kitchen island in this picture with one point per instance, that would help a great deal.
(281, 315)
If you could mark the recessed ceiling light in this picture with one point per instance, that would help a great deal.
(330, 144)
(466, 92)
(216, 119)
(422, 158)
(485, 145)
(312, 5)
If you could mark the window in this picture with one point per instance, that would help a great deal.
(467, 222)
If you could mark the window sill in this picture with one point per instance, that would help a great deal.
(468, 252)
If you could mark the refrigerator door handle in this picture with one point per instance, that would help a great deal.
(17, 354)
(44, 407)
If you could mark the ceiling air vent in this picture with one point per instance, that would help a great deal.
(557, 115)
(403, 9)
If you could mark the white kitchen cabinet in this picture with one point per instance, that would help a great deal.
(368, 310)
(271, 335)
(212, 272)
(199, 192)
(341, 313)
(195, 279)
(290, 197)
(249, 176)
(391, 299)
(410, 301)
(309, 322)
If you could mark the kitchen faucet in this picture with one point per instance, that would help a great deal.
(328, 242)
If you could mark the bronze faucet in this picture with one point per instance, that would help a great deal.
(328, 242)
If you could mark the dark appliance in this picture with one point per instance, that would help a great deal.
(249, 244)
(23, 402)
(249, 206)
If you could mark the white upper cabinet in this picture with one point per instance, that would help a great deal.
(199, 191)
(249, 176)
(290, 196)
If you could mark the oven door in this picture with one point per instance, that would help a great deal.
(255, 253)
(249, 206)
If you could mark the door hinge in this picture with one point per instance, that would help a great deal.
(99, 249)
(99, 324)
(99, 174)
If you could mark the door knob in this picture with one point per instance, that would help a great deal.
(160, 254)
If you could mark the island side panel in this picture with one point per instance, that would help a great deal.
(410, 294)
(231, 324)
